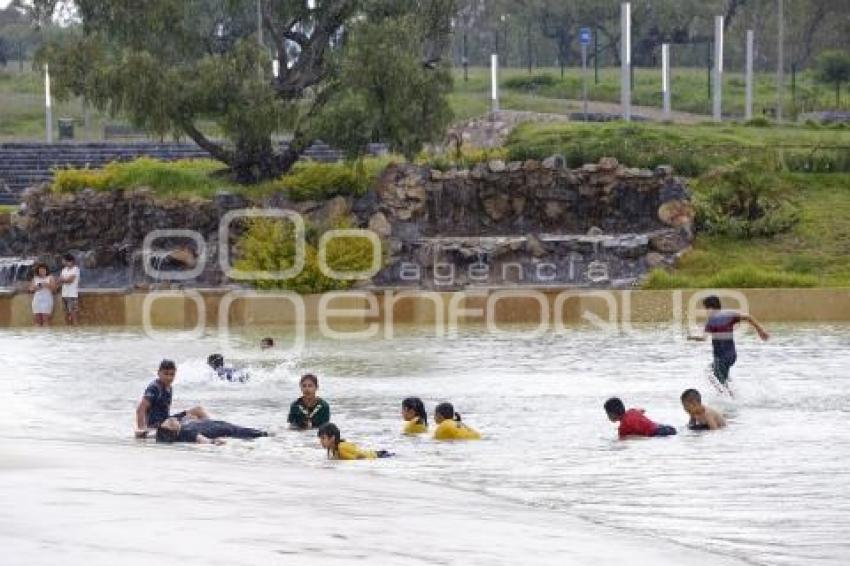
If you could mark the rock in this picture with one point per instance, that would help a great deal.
(673, 189)
(184, 257)
(379, 224)
(554, 209)
(534, 246)
(554, 162)
(668, 243)
(518, 205)
(497, 206)
(654, 259)
(677, 213)
(496, 166)
(514, 166)
(595, 231)
(608, 164)
(664, 171)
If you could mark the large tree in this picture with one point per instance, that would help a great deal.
(172, 66)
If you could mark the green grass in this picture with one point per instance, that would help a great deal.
(691, 149)
(22, 115)
(689, 90)
(8, 208)
(814, 253)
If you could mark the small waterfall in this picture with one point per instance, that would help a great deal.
(14, 270)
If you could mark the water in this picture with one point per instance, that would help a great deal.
(773, 488)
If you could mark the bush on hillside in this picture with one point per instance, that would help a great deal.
(744, 200)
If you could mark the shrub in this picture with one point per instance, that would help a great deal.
(759, 122)
(269, 245)
(312, 180)
(469, 157)
(532, 82)
(186, 176)
(744, 200)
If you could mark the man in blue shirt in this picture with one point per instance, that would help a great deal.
(155, 406)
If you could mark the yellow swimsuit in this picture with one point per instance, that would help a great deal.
(350, 451)
(414, 427)
(454, 430)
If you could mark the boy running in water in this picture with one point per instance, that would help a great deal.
(721, 327)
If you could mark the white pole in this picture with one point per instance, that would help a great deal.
(584, 77)
(494, 82)
(718, 68)
(780, 66)
(748, 107)
(665, 78)
(48, 105)
(626, 60)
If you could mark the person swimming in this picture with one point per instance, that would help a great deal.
(633, 422)
(338, 449)
(309, 410)
(216, 362)
(203, 431)
(415, 416)
(450, 426)
(702, 417)
(266, 343)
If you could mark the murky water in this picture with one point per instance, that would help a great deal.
(773, 488)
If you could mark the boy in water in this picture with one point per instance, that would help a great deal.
(309, 410)
(155, 406)
(633, 422)
(203, 431)
(702, 417)
(721, 327)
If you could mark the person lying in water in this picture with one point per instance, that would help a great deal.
(702, 417)
(155, 405)
(415, 416)
(338, 449)
(309, 410)
(206, 431)
(450, 426)
(633, 422)
(216, 362)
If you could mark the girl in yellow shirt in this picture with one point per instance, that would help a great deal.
(339, 449)
(415, 416)
(450, 426)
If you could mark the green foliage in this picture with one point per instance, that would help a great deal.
(743, 277)
(744, 200)
(324, 180)
(833, 67)
(189, 177)
(178, 63)
(468, 158)
(759, 122)
(531, 83)
(691, 150)
(815, 248)
(385, 93)
(269, 245)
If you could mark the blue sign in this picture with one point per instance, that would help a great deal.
(584, 36)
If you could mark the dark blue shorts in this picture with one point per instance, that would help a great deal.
(721, 366)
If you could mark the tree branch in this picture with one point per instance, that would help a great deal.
(214, 149)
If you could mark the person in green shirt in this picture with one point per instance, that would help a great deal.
(309, 410)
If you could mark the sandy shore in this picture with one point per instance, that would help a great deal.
(71, 504)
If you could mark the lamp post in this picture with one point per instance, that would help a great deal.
(748, 106)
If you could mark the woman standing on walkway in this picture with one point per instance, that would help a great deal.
(42, 287)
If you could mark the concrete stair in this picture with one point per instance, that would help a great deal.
(26, 164)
